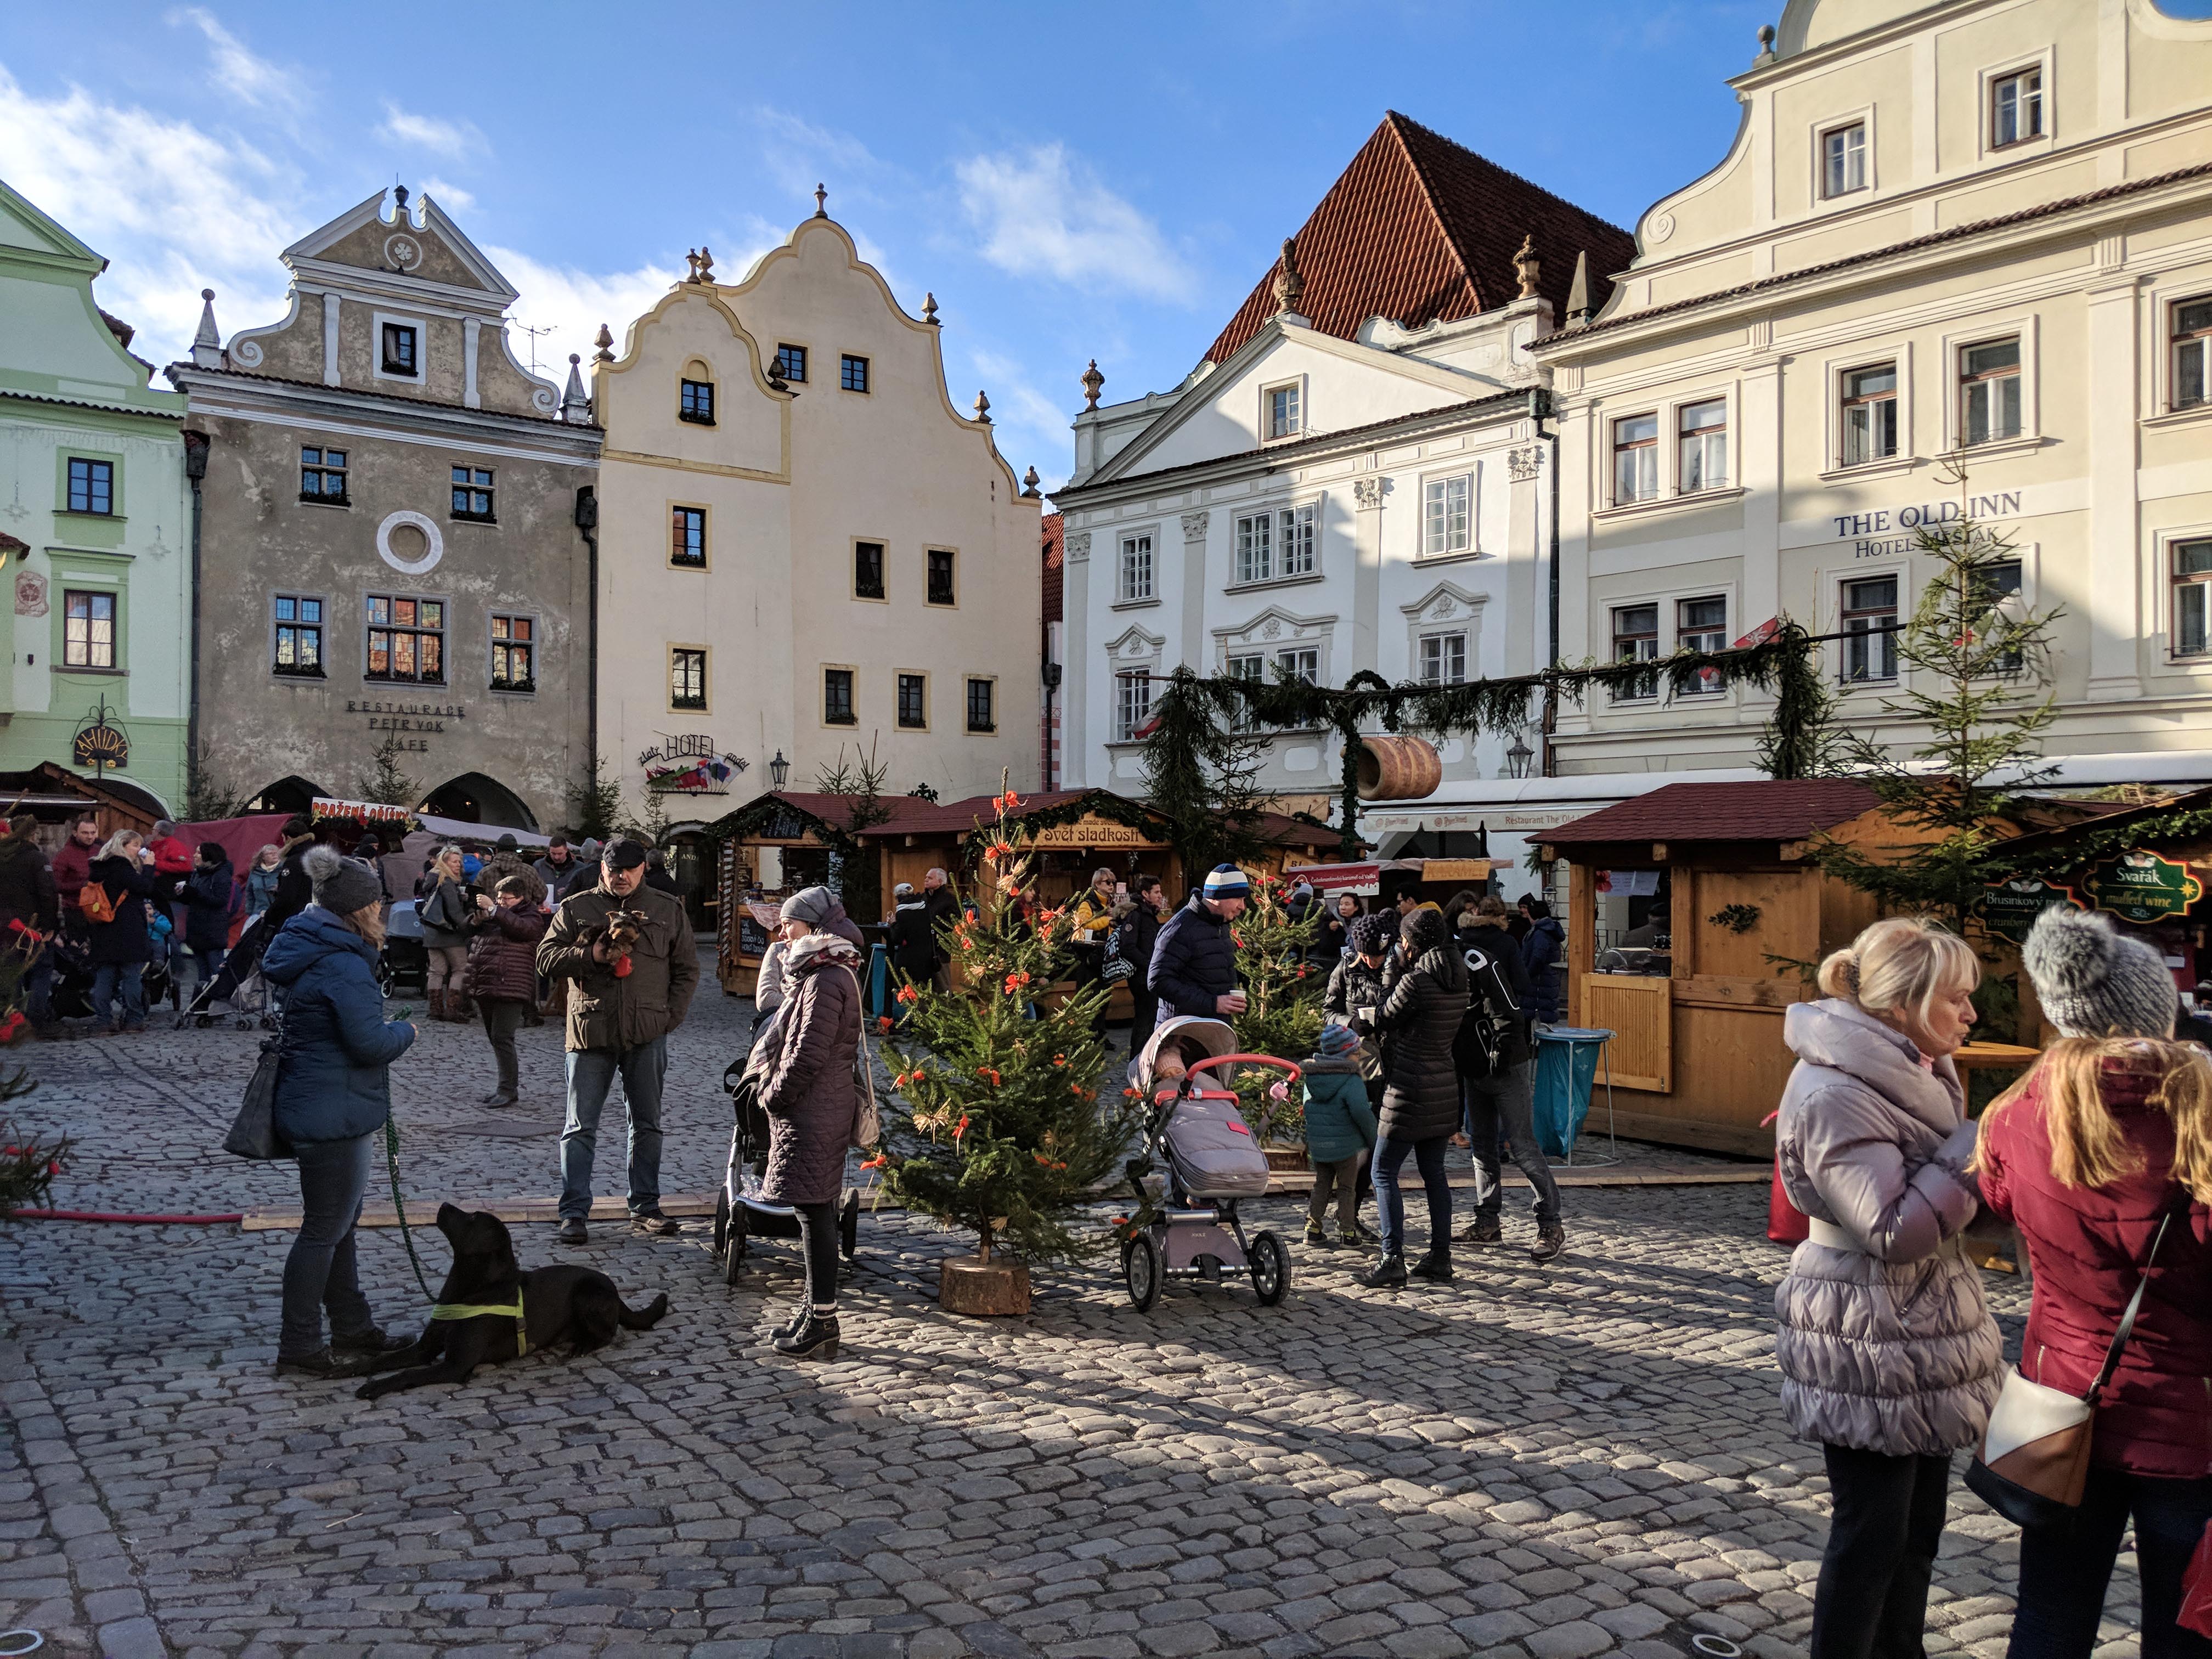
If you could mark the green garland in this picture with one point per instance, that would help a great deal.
(1132, 814)
(2072, 851)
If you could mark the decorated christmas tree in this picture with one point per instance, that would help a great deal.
(1001, 1129)
(1282, 1008)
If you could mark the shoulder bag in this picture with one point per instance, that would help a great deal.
(2034, 1460)
(253, 1132)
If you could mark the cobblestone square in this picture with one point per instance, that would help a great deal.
(1553, 1462)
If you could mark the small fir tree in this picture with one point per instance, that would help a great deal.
(1282, 1008)
(28, 1164)
(206, 797)
(389, 784)
(853, 863)
(1001, 1129)
(597, 802)
(1202, 770)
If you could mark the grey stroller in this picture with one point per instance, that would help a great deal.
(1199, 1158)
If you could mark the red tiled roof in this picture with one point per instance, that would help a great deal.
(1055, 548)
(1772, 810)
(1419, 229)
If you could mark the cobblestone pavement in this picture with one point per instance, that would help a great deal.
(1554, 1462)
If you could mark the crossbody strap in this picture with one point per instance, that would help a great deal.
(2135, 1306)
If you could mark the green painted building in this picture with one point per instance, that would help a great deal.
(95, 526)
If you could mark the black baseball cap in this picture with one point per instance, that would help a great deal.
(622, 853)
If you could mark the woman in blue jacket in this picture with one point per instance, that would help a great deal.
(333, 1097)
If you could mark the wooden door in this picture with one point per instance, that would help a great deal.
(1639, 1010)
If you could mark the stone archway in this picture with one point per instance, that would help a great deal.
(287, 794)
(474, 799)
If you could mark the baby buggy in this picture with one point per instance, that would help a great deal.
(1187, 1226)
(740, 1211)
(403, 964)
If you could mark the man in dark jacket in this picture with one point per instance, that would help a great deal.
(1194, 967)
(1501, 1103)
(912, 951)
(628, 955)
(1540, 954)
(558, 869)
(27, 896)
(72, 868)
(1139, 935)
(507, 860)
(1419, 1021)
(942, 905)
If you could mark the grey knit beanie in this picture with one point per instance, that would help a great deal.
(340, 884)
(2094, 982)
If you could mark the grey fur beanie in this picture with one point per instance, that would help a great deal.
(340, 884)
(2094, 982)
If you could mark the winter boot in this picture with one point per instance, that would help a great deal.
(437, 1005)
(815, 1339)
(796, 1323)
(1388, 1273)
(1436, 1266)
(1483, 1230)
(458, 1008)
(1550, 1240)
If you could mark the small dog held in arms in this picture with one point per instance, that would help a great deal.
(491, 1311)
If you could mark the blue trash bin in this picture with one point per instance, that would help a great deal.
(1566, 1066)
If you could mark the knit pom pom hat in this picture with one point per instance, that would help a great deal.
(1371, 934)
(340, 885)
(2094, 982)
(1226, 881)
(1336, 1042)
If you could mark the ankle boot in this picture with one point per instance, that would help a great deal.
(815, 1339)
(458, 1008)
(1387, 1273)
(796, 1323)
(437, 1005)
(1436, 1266)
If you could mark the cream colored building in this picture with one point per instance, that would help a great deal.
(803, 547)
(1981, 228)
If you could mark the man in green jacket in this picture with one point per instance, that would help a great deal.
(626, 953)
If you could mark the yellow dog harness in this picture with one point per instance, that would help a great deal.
(478, 1310)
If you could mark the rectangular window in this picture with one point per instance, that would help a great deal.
(1869, 614)
(91, 486)
(2016, 108)
(1136, 568)
(323, 475)
(687, 537)
(400, 355)
(853, 373)
(1253, 667)
(1255, 558)
(1636, 639)
(2193, 588)
(406, 639)
(1299, 664)
(2192, 352)
(1843, 160)
(687, 676)
(940, 575)
(1702, 625)
(1635, 459)
(1869, 413)
(913, 702)
(1988, 391)
(1132, 704)
(981, 715)
(837, 697)
(1294, 541)
(1447, 524)
(472, 494)
(791, 363)
(1703, 441)
(1285, 418)
(1994, 583)
(868, 571)
(695, 403)
(1444, 659)
(513, 653)
(87, 629)
(299, 636)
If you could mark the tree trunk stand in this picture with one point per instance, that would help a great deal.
(983, 1284)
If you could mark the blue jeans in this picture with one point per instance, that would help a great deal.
(320, 1271)
(1390, 1201)
(128, 977)
(2062, 1579)
(38, 988)
(193, 970)
(590, 1073)
(1503, 1105)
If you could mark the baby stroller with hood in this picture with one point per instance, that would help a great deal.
(740, 1211)
(1199, 1158)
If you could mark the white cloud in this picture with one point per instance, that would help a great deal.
(452, 197)
(1043, 214)
(237, 70)
(573, 304)
(451, 138)
(1033, 430)
(799, 155)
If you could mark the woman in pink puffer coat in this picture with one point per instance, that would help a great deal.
(1889, 1357)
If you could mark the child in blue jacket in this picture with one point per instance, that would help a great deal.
(1340, 1133)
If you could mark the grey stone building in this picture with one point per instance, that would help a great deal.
(395, 537)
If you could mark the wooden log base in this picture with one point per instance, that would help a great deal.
(1287, 1157)
(993, 1288)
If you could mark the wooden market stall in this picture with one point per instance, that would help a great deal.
(1691, 909)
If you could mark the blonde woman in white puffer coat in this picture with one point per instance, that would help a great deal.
(1889, 1357)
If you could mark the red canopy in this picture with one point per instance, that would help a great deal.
(241, 837)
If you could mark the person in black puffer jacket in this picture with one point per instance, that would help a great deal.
(1357, 984)
(1193, 968)
(1418, 1020)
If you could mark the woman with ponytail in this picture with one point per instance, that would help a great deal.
(2110, 1133)
(1889, 1358)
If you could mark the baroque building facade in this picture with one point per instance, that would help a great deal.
(807, 554)
(94, 526)
(395, 541)
(1958, 261)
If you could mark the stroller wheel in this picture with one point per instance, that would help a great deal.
(1271, 1268)
(733, 1246)
(849, 1225)
(1140, 1268)
(721, 1223)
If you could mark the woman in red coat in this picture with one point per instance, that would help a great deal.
(2110, 1131)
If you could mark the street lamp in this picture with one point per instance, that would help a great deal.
(778, 770)
(1518, 757)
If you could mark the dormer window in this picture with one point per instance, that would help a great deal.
(1286, 411)
(695, 403)
(1844, 160)
(402, 349)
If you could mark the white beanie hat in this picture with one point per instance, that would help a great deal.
(2094, 982)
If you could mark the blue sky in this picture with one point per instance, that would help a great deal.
(1071, 181)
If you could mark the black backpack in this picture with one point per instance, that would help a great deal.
(1478, 1050)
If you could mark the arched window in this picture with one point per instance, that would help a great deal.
(695, 397)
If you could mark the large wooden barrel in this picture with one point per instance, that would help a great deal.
(1398, 768)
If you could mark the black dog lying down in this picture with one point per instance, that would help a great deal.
(477, 1324)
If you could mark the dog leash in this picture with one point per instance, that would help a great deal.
(392, 1163)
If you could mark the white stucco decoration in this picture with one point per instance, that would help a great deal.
(432, 553)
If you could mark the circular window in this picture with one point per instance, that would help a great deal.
(409, 542)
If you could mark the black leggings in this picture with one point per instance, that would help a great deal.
(1872, 1599)
(817, 1237)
